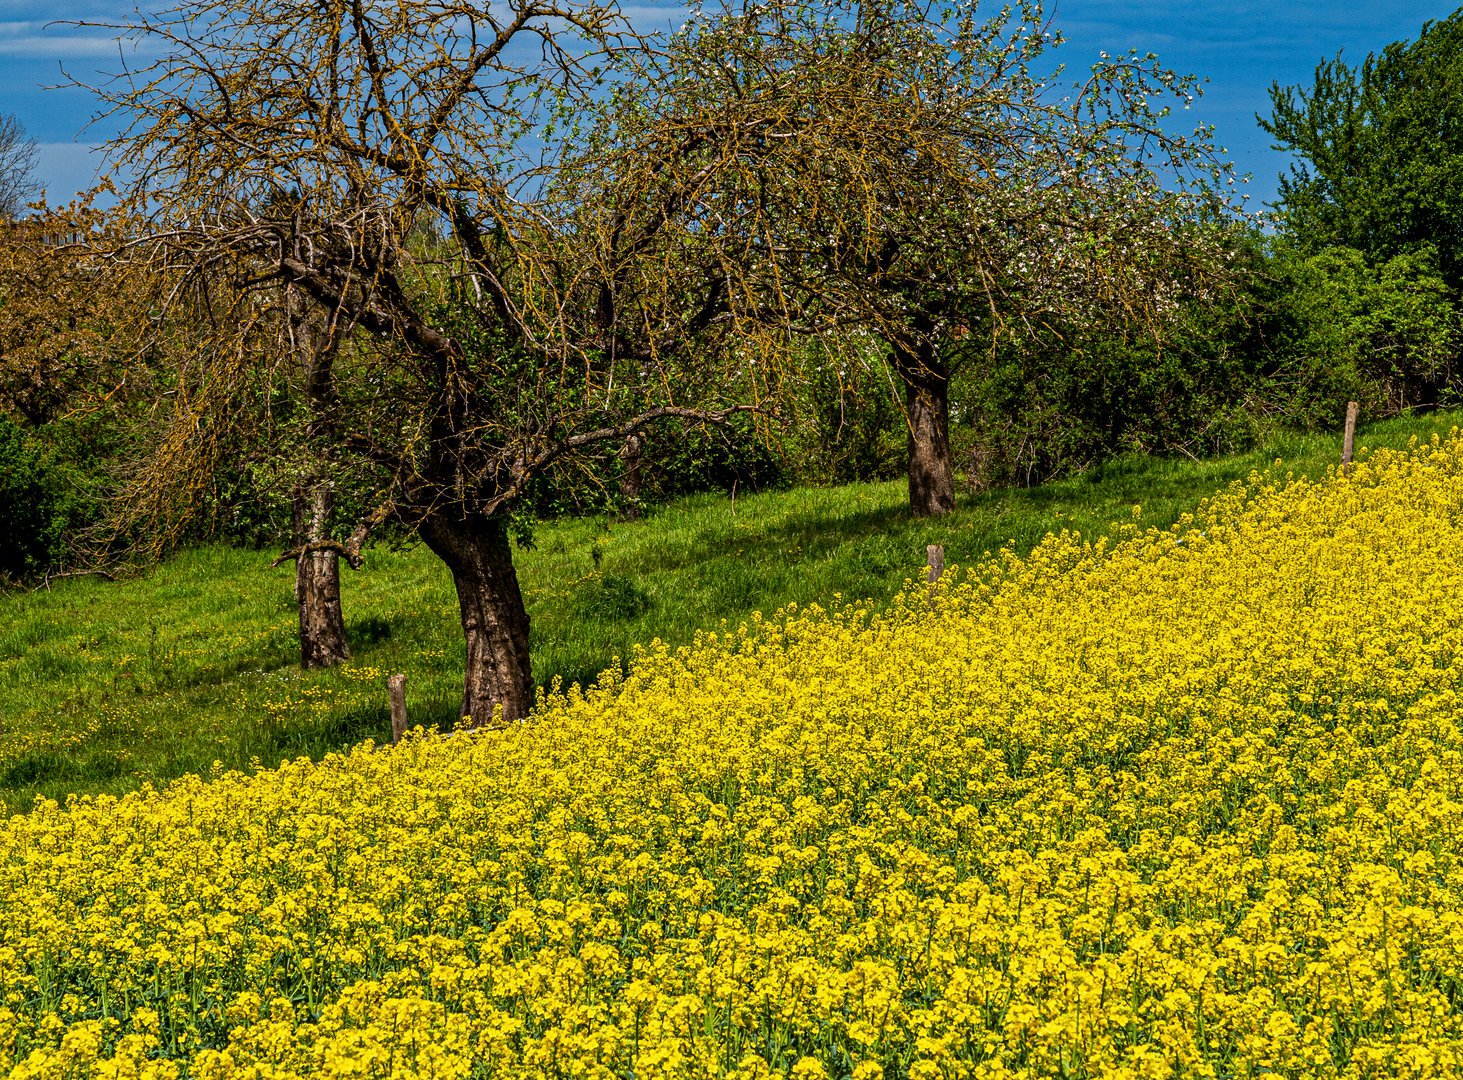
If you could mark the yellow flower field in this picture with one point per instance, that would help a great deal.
(1186, 805)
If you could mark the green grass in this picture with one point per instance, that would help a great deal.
(105, 686)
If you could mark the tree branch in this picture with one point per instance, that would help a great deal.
(523, 471)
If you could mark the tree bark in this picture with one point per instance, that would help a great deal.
(317, 581)
(317, 570)
(630, 454)
(498, 684)
(927, 406)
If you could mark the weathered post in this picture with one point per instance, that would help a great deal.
(1348, 438)
(396, 687)
(935, 560)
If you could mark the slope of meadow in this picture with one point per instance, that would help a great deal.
(1188, 804)
(105, 686)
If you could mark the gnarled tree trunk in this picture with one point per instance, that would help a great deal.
(498, 687)
(317, 580)
(926, 380)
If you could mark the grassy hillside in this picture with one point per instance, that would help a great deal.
(1184, 805)
(106, 685)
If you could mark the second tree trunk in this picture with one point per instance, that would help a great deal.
(927, 406)
(317, 582)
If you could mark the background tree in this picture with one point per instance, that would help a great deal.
(240, 397)
(1061, 400)
(918, 177)
(17, 168)
(1380, 149)
(59, 313)
(1342, 328)
(1372, 216)
(63, 396)
(311, 341)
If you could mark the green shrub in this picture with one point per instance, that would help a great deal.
(32, 518)
(1387, 336)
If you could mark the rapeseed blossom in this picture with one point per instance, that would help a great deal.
(1187, 804)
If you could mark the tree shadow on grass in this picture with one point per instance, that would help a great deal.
(52, 774)
(369, 630)
(318, 736)
(812, 533)
(39, 767)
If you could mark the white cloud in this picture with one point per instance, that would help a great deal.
(38, 40)
(43, 40)
(80, 47)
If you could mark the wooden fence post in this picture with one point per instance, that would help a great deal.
(396, 687)
(935, 560)
(1349, 438)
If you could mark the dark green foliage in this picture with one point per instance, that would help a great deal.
(1368, 284)
(676, 459)
(1309, 332)
(684, 460)
(1338, 328)
(843, 425)
(855, 428)
(1055, 402)
(1381, 151)
(54, 482)
(33, 515)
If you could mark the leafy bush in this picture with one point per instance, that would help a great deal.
(1306, 334)
(32, 510)
(853, 425)
(1057, 402)
(1386, 336)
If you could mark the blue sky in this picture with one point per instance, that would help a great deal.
(1240, 46)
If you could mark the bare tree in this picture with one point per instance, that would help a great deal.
(17, 167)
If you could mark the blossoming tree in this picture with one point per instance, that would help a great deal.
(931, 178)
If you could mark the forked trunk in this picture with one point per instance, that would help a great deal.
(498, 686)
(317, 581)
(927, 403)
